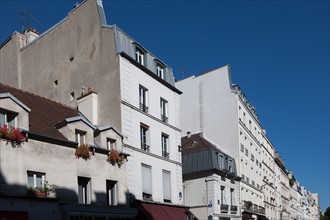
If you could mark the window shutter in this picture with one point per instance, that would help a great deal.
(146, 179)
(167, 185)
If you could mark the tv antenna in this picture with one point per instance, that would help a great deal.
(25, 17)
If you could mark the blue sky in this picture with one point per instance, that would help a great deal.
(278, 52)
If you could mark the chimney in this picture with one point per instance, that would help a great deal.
(87, 105)
(31, 34)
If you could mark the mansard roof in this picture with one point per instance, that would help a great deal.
(44, 113)
(201, 157)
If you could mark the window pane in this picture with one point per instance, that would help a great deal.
(30, 182)
(2, 119)
(38, 180)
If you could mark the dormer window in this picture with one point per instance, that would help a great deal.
(160, 71)
(80, 137)
(111, 144)
(139, 54)
(7, 118)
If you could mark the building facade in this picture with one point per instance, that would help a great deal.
(135, 91)
(211, 183)
(46, 154)
(221, 111)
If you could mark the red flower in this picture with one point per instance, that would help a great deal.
(83, 152)
(115, 158)
(12, 134)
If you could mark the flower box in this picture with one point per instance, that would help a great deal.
(12, 134)
(83, 152)
(115, 158)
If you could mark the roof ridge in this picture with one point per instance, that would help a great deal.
(39, 96)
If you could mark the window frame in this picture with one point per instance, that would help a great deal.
(111, 144)
(140, 54)
(143, 98)
(165, 145)
(146, 193)
(112, 192)
(80, 136)
(84, 190)
(4, 114)
(144, 137)
(34, 176)
(164, 110)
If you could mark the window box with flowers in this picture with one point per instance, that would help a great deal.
(43, 191)
(116, 158)
(12, 134)
(83, 152)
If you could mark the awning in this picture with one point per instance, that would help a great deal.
(158, 211)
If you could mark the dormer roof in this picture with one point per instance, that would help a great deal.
(43, 113)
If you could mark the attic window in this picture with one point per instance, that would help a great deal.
(7, 118)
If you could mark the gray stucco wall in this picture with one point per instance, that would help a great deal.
(94, 63)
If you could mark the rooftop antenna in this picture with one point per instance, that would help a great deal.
(25, 17)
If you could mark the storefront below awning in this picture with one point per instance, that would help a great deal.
(158, 211)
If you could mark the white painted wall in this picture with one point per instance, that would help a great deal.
(132, 117)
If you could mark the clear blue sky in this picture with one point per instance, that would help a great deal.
(278, 52)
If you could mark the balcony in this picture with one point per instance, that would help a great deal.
(233, 209)
(145, 147)
(164, 118)
(166, 154)
(144, 108)
(224, 208)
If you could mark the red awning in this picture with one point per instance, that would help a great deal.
(155, 211)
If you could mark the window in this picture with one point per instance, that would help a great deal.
(146, 182)
(84, 190)
(222, 194)
(143, 99)
(242, 148)
(139, 55)
(80, 137)
(165, 152)
(163, 110)
(246, 152)
(257, 162)
(160, 70)
(243, 177)
(111, 144)
(253, 183)
(35, 179)
(232, 197)
(144, 135)
(230, 166)
(167, 186)
(247, 179)
(220, 162)
(252, 157)
(111, 192)
(7, 118)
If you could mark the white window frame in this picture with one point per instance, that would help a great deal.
(112, 192)
(165, 145)
(139, 55)
(80, 137)
(4, 118)
(160, 70)
(143, 98)
(144, 137)
(111, 144)
(35, 175)
(164, 109)
(84, 190)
